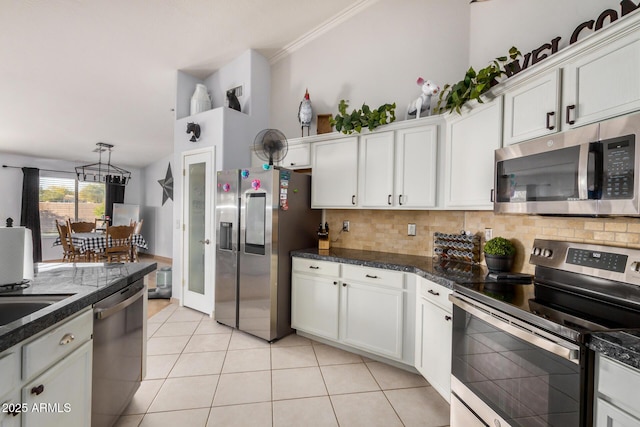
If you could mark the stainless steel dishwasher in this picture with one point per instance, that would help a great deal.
(117, 353)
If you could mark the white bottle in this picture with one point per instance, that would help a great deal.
(200, 100)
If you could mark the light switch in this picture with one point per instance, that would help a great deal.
(411, 229)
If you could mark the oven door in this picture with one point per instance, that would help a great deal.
(510, 373)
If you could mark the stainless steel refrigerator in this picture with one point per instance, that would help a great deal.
(261, 215)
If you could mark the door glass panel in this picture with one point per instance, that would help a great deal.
(549, 176)
(255, 226)
(196, 229)
(524, 384)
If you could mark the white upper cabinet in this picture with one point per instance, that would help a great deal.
(416, 167)
(376, 170)
(603, 82)
(335, 173)
(532, 109)
(471, 141)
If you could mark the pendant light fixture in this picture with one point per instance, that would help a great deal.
(103, 172)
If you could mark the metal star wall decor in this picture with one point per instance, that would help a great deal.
(167, 185)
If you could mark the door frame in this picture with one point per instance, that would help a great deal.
(208, 306)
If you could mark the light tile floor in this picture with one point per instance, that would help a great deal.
(203, 374)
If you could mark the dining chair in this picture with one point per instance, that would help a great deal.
(69, 252)
(137, 229)
(81, 226)
(119, 240)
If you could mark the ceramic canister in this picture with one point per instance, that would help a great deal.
(200, 100)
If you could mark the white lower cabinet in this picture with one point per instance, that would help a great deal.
(62, 395)
(433, 335)
(360, 307)
(10, 410)
(617, 388)
(51, 385)
(372, 318)
(314, 303)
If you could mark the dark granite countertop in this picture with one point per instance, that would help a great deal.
(623, 346)
(445, 273)
(85, 283)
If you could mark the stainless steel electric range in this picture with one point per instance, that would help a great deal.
(519, 349)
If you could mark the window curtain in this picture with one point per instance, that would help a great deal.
(114, 193)
(30, 214)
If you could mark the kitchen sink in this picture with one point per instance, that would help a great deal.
(15, 307)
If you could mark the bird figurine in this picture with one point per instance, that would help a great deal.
(305, 113)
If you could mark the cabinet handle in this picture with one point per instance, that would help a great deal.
(371, 277)
(344, 285)
(549, 115)
(313, 267)
(37, 390)
(335, 283)
(568, 114)
(432, 292)
(492, 197)
(68, 338)
(447, 318)
(389, 199)
(400, 200)
(292, 164)
(353, 199)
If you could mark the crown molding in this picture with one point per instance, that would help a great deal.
(331, 23)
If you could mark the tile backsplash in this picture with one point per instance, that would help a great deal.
(386, 230)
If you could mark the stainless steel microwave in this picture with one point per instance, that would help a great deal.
(592, 170)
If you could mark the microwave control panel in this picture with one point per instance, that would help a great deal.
(618, 173)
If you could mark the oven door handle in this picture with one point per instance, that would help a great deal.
(570, 354)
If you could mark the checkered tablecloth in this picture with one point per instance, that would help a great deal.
(97, 242)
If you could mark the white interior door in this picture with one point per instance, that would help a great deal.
(197, 235)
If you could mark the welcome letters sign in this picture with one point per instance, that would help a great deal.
(547, 49)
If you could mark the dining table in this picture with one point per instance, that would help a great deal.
(97, 242)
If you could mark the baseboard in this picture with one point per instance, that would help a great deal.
(157, 258)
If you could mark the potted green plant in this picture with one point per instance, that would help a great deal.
(365, 117)
(474, 84)
(499, 253)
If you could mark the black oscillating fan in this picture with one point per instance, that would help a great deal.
(271, 145)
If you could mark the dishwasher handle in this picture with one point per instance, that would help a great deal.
(103, 313)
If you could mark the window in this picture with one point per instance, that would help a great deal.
(64, 198)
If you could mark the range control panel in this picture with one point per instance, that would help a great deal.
(597, 259)
(611, 262)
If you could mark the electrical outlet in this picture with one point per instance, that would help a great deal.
(488, 234)
(345, 225)
(411, 229)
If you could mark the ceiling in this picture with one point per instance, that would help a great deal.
(77, 72)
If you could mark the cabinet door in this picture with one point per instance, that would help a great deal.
(376, 170)
(472, 139)
(335, 173)
(604, 83)
(314, 305)
(372, 318)
(433, 346)
(11, 410)
(62, 394)
(416, 167)
(532, 110)
(298, 157)
(608, 415)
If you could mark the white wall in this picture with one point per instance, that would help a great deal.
(497, 25)
(373, 58)
(158, 218)
(11, 191)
